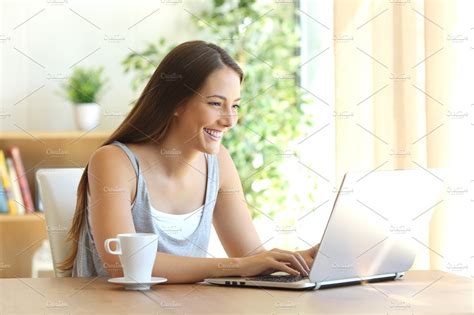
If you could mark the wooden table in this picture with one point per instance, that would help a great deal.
(419, 292)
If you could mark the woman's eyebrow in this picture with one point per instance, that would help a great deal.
(222, 97)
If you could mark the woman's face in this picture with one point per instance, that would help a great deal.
(211, 112)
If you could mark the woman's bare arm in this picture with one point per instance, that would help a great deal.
(232, 219)
(180, 269)
(110, 176)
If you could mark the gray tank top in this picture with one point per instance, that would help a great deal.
(88, 262)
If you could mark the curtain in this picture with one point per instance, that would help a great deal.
(402, 101)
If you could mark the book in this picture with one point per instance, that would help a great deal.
(3, 197)
(15, 186)
(12, 208)
(22, 179)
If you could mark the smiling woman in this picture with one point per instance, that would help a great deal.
(164, 171)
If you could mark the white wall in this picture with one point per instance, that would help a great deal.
(40, 41)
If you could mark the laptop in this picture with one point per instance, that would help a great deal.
(371, 232)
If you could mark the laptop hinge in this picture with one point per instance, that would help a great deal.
(342, 282)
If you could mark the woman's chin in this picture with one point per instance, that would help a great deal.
(211, 148)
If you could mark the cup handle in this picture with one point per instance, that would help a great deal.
(117, 251)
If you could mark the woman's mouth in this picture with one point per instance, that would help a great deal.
(215, 135)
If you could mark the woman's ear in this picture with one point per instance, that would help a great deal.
(179, 110)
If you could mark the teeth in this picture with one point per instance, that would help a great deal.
(214, 133)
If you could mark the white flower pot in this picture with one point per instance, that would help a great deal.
(87, 115)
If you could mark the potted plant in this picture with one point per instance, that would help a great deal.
(82, 90)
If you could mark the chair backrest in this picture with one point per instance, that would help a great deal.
(58, 192)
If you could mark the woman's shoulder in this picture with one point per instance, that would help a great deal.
(227, 170)
(111, 159)
(109, 152)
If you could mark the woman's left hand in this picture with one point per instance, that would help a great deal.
(309, 254)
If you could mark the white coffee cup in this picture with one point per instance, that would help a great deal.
(137, 253)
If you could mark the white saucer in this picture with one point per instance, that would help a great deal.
(133, 285)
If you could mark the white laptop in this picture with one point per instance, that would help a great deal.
(371, 232)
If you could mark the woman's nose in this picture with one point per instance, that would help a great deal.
(227, 118)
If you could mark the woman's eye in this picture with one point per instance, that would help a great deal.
(215, 103)
(236, 106)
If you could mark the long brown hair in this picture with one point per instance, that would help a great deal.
(180, 74)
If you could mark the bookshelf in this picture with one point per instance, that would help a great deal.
(21, 235)
(20, 238)
(52, 149)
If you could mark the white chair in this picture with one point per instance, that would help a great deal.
(57, 189)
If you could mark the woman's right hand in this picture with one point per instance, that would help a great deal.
(268, 262)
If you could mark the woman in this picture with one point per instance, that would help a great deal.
(164, 171)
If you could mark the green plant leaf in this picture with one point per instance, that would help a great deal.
(84, 85)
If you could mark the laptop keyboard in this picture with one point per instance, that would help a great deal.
(280, 278)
